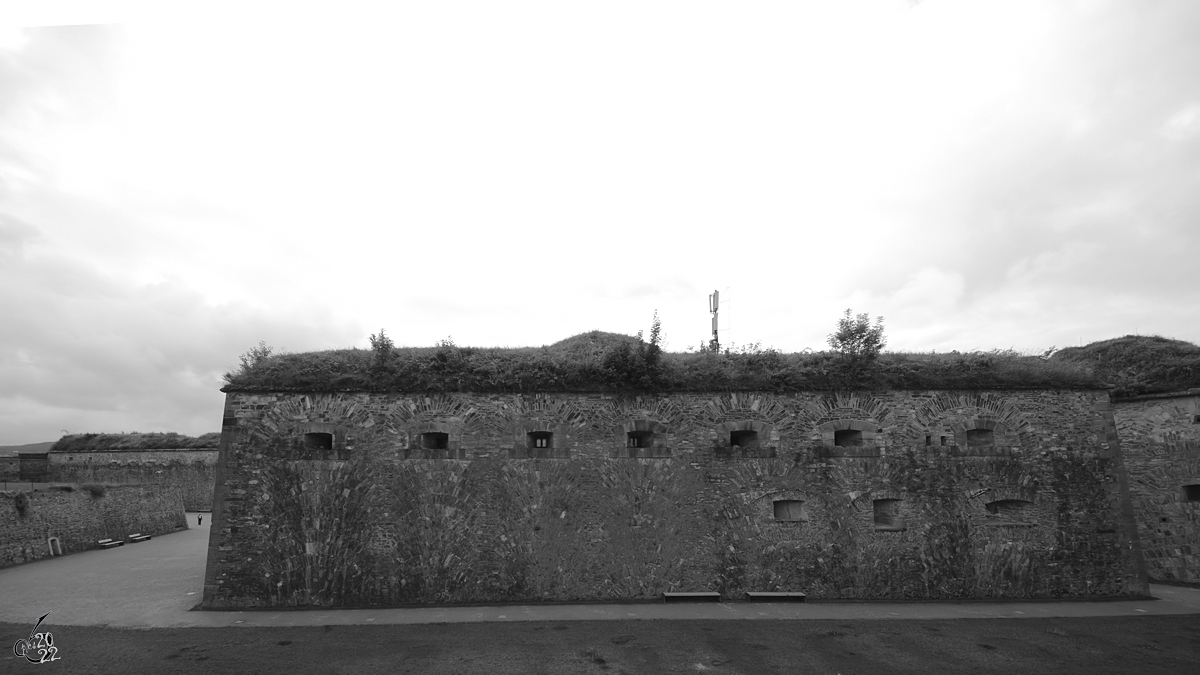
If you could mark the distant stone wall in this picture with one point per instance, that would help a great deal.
(78, 518)
(1161, 441)
(192, 470)
(384, 499)
(34, 467)
(10, 468)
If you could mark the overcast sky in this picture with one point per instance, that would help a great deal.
(176, 188)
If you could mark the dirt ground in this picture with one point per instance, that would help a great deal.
(1145, 644)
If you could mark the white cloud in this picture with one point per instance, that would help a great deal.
(1184, 124)
(982, 175)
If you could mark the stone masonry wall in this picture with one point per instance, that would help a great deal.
(1160, 437)
(10, 468)
(448, 499)
(79, 519)
(34, 467)
(193, 471)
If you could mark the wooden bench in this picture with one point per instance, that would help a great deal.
(139, 537)
(109, 543)
(703, 596)
(775, 596)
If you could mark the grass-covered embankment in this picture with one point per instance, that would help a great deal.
(1139, 364)
(135, 441)
(607, 362)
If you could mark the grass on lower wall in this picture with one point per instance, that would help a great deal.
(135, 441)
(605, 362)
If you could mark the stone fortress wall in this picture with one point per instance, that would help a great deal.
(10, 468)
(1160, 439)
(350, 499)
(193, 471)
(77, 518)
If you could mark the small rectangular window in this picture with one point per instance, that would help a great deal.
(640, 439)
(790, 511)
(1011, 513)
(887, 516)
(540, 443)
(848, 438)
(744, 439)
(943, 440)
(317, 446)
(435, 441)
(980, 438)
(928, 439)
(1191, 493)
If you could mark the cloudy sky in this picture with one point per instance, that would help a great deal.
(176, 188)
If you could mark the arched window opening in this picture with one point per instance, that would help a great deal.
(981, 438)
(1011, 513)
(887, 516)
(435, 440)
(847, 438)
(790, 511)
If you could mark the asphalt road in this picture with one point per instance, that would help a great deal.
(131, 610)
(1085, 646)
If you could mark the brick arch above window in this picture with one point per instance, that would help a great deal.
(849, 438)
(641, 439)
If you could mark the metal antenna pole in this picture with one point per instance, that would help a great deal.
(713, 300)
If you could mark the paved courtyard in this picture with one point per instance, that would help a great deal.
(158, 583)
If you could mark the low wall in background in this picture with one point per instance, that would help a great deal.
(192, 470)
(10, 468)
(78, 518)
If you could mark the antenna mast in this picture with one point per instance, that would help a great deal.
(712, 307)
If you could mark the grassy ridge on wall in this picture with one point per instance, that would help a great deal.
(134, 441)
(1139, 364)
(597, 361)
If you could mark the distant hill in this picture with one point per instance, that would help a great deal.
(28, 447)
(1139, 364)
